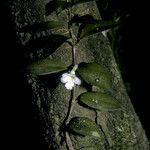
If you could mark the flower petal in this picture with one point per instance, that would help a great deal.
(65, 74)
(77, 81)
(64, 78)
(69, 85)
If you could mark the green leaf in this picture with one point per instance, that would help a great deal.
(99, 101)
(45, 66)
(96, 27)
(84, 126)
(48, 43)
(42, 26)
(95, 74)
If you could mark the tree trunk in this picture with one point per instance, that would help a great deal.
(121, 130)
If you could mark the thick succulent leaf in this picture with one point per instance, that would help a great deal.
(84, 126)
(99, 101)
(96, 27)
(45, 66)
(95, 74)
(42, 26)
(48, 43)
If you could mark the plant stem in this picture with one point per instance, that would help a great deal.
(71, 105)
(68, 141)
(69, 12)
(67, 138)
(74, 54)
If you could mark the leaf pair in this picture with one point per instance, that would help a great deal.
(95, 74)
(90, 26)
(92, 73)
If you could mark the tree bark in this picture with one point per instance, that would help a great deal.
(121, 130)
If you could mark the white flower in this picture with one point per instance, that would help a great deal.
(70, 80)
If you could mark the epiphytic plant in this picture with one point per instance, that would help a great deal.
(92, 73)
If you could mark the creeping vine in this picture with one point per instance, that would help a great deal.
(92, 73)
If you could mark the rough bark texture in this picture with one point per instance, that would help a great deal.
(121, 130)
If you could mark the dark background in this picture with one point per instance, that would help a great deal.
(133, 53)
(134, 56)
